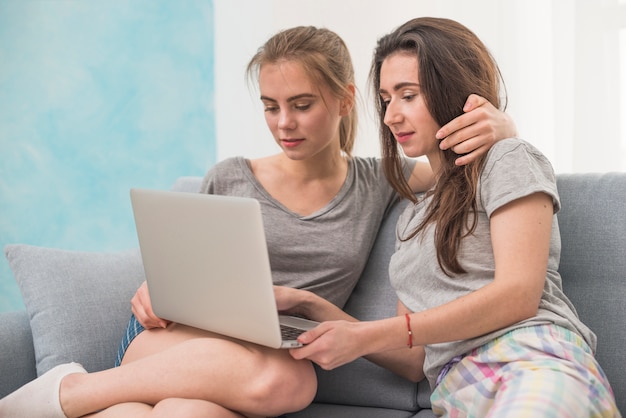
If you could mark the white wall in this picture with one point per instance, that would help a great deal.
(559, 59)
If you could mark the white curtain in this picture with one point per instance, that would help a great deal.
(560, 60)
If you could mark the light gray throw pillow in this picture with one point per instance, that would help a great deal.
(78, 302)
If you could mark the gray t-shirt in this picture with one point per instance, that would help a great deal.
(324, 252)
(513, 169)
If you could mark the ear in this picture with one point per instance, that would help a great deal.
(347, 103)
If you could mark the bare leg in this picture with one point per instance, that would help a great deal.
(131, 409)
(183, 362)
(172, 407)
(191, 408)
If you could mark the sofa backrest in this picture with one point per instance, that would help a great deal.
(361, 382)
(592, 221)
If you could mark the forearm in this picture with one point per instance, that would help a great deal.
(483, 311)
(384, 342)
(468, 317)
(319, 309)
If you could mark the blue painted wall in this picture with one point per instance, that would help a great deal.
(97, 97)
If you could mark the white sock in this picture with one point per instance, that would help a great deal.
(40, 397)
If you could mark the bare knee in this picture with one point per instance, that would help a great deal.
(283, 384)
(273, 382)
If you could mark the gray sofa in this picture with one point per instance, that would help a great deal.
(78, 304)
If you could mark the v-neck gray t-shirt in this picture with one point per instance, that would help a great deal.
(324, 252)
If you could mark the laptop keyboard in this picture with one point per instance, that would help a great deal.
(290, 333)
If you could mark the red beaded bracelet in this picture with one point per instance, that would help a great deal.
(408, 326)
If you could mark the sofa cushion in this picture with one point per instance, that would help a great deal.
(77, 302)
(317, 410)
(17, 355)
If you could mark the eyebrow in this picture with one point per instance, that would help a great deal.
(292, 98)
(399, 86)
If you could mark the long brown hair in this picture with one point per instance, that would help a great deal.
(325, 58)
(453, 63)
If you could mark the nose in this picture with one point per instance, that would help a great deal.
(392, 116)
(286, 120)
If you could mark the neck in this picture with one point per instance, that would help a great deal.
(320, 166)
(434, 160)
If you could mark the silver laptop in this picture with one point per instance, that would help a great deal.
(207, 266)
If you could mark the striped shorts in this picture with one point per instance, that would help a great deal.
(133, 329)
(541, 371)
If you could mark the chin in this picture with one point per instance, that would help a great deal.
(412, 152)
(294, 155)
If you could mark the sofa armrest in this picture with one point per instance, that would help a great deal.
(17, 355)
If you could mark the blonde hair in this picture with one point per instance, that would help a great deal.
(324, 57)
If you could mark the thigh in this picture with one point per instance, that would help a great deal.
(535, 371)
(124, 410)
(557, 376)
(156, 340)
(191, 408)
(545, 388)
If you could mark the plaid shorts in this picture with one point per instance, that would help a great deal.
(540, 371)
(133, 329)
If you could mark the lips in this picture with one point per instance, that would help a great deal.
(403, 137)
(291, 142)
